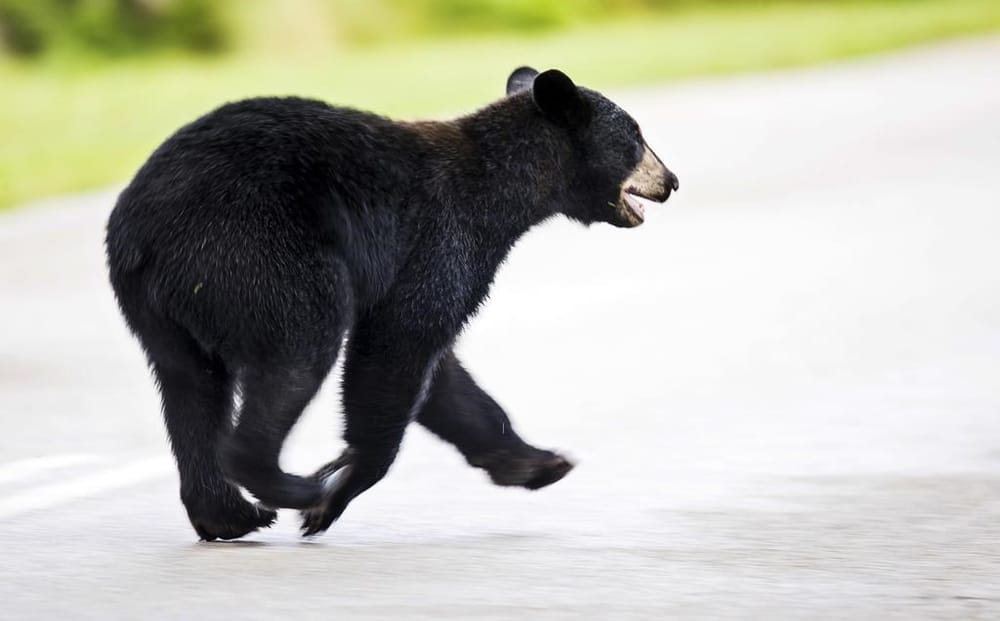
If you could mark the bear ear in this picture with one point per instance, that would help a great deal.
(520, 80)
(558, 98)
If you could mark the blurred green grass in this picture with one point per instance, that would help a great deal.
(67, 126)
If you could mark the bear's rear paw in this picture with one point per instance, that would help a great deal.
(530, 468)
(228, 516)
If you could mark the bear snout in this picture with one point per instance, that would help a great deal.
(651, 179)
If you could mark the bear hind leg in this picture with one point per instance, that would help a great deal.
(197, 394)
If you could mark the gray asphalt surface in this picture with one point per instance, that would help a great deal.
(782, 392)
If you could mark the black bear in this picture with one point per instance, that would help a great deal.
(260, 237)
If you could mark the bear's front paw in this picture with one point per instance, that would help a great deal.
(335, 477)
(530, 467)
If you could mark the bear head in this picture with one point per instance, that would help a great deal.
(612, 167)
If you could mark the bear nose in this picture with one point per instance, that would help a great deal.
(672, 181)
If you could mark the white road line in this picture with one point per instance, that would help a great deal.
(82, 487)
(26, 468)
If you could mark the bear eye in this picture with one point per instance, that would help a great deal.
(640, 150)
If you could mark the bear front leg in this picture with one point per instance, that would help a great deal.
(461, 413)
(386, 381)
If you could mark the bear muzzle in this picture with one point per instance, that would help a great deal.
(650, 180)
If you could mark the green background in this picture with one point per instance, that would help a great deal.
(90, 87)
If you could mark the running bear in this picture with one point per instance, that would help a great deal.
(259, 238)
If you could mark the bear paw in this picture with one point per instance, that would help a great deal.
(228, 516)
(333, 477)
(531, 468)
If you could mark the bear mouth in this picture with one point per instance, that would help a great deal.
(649, 181)
(632, 204)
(632, 207)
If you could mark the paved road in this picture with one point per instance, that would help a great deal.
(782, 392)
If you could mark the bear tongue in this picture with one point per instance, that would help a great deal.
(635, 205)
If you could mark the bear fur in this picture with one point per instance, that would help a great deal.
(258, 238)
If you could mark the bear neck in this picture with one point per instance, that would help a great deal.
(502, 169)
